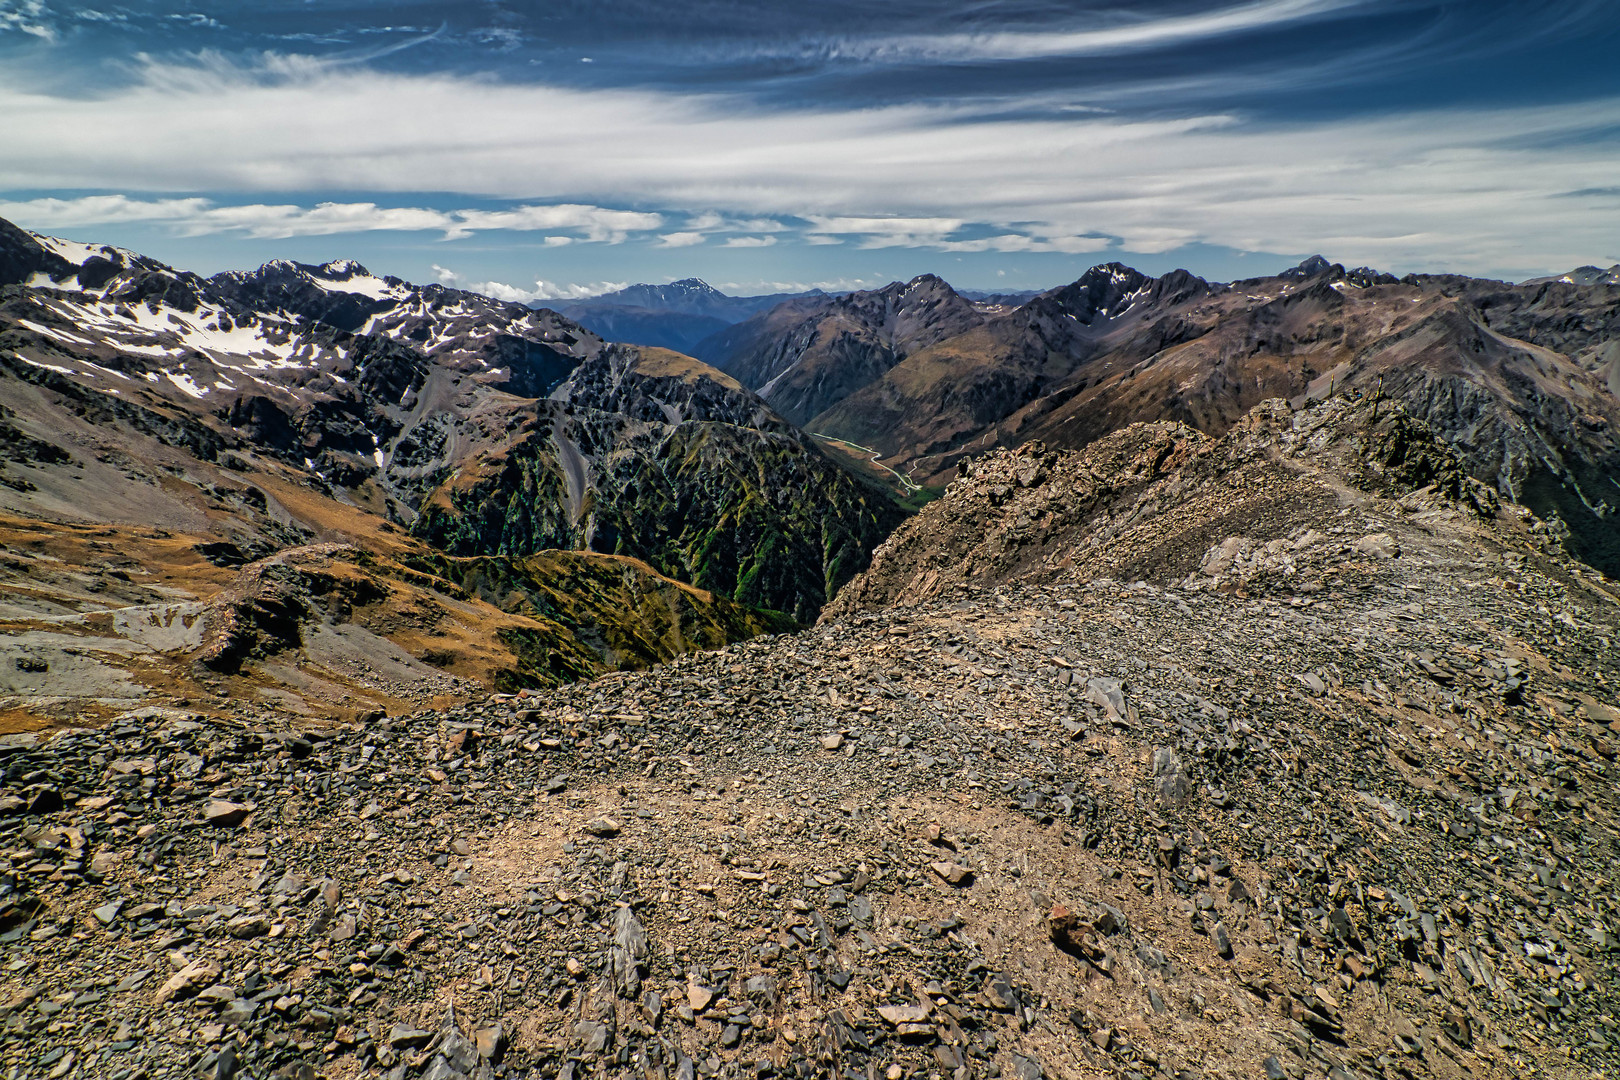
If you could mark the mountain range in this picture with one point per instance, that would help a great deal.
(423, 444)
(1524, 380)
(678, 316)
(301, 448)
(1150, 677)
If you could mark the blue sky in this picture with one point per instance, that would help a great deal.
(542, 150)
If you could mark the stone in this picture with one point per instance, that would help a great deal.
(404, 1036)
(954, 874)
(895, 1015)
(1170, 779)
(225, 814)
(490, 1041)
(834, 741)
(698, 996)
(630, 950)
(1223, 944)
(238, 1012)
(1024, 1068)
(602, 827)
(187, 981)
(107, 913)
(1072, 934)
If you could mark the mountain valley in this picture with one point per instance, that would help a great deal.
(1148, 678)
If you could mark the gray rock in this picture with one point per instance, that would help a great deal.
(1170, 779)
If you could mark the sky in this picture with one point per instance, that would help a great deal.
(548, 150)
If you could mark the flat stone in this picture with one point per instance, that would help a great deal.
(186, 981)
(895, 1015)
(404, 1036)
(698, 996)
(490, 1042)
(248, 926)
(226, 814)
(952, 873)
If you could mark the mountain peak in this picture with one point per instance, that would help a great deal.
(1310, 268)
(693, 285)
(343, 269)
(1582, 275)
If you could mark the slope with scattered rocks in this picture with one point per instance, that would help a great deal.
(1068, 825)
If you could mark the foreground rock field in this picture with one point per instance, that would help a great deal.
(1370, 835)
(1330, 791)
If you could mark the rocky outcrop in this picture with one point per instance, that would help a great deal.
(1032, 829)
(1165, 503)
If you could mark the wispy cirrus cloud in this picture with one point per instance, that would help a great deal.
(1483, 189)
(26, 17)
(1128, 32)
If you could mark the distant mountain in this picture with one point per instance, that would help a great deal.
(675, 316)
(1582, 275)
(807, 355)
(421, 450)
(1523, 381)
(999, 299)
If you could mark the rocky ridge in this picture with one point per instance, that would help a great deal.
(1035, 822)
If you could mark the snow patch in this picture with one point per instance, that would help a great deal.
(50, 367)
(186, 384)
(59, 335)
(74, 252)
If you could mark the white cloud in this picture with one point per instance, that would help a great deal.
(598, 224)
(751, 242)
(761, 288)
(1481, 190)
(710, 221)
(1011, 242)
(26, 17)
(681, 239)
(200, 217)
(543, 290)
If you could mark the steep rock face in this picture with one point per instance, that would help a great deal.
(23, 258)
(843, 345)
(658, 457)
